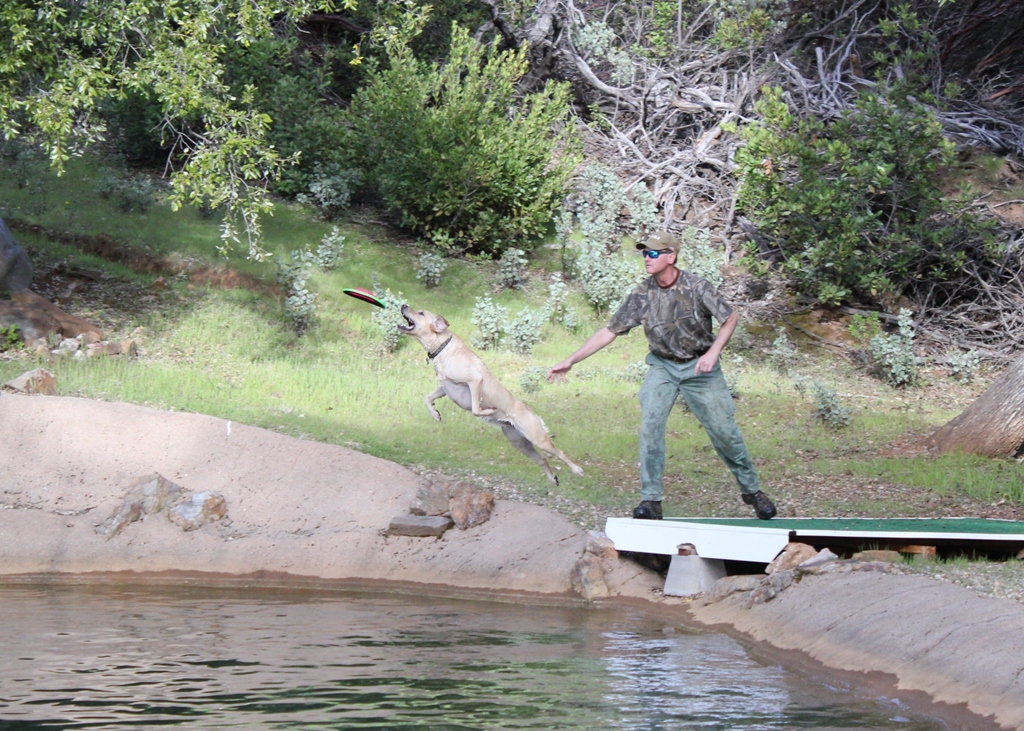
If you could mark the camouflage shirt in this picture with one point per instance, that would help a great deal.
(676, 319)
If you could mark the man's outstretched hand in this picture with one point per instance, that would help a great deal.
(558, 371)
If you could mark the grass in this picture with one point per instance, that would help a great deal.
(229, 353)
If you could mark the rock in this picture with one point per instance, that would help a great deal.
(127, 513)
(731, 585)
(792, 556)
(460, 488)
(129, 348)
(763, 594)
(588, 578)
(32, 324)
(67, 346)
(471, 510)
(878, 555)
(419, 526)
(36, 381)
(821, 557)
(15, 266)
(39, 317)
(153, 493)
(782, 580)
(202, 508)
(102, 350)
(432, 499)
(600, 545)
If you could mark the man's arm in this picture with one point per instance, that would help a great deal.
(598, 340)
(707, 361)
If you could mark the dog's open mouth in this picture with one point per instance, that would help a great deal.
(407, 328)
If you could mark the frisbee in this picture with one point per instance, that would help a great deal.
(365, 295)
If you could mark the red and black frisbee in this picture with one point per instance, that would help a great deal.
(365, 295)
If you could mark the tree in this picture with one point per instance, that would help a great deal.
(992, 426)
(61, 61)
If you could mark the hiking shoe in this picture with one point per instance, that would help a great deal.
(763, 506)
(648, 510)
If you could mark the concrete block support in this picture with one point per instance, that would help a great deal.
(689, 575)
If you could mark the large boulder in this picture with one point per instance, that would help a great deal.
(15, 266)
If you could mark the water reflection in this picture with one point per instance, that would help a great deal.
(106, 659)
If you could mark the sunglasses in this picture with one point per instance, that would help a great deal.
(655, 253)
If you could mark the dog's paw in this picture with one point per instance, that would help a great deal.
(577, 470)
(436, 416)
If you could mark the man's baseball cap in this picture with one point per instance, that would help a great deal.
(660, 240)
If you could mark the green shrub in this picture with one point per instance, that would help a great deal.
(457, 148)
(522, 333)
(863, 328)
(388, 319)
(963, 366)
(330, 189)
(591, 228)
(854, 207)
(131, 193)
(894, 354)
(490, 318)
(430, 267)
(746, 23)
(557, 306)
(828, 408)
(532, 379)
(511, 272)
(634, 372)
(10, 338)
(293, 274)
(329, 250)
(697, 255)
(783, 351)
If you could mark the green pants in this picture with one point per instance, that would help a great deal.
(709, 399)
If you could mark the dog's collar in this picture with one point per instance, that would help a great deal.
(434, 353)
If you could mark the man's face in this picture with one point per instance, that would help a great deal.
(655, 265)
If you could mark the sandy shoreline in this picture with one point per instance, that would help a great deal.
(309, 514)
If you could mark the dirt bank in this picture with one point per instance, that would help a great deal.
(319, 512)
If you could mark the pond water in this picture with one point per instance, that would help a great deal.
(114, 658)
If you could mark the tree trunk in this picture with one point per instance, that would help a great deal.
(993, 425)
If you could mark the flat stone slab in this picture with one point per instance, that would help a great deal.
(419, 526)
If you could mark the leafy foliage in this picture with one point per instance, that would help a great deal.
(455, 148)
(827, 406)
(130, 192)
(557, 307)
(963, 366)
(853, 207)
(511, 272)
(430, 268)
(697, 256)
(329, 249)
(591, 228)
(63, 62)
(491, 318)
(894, 354)
(531, 379)
(10, 337)
(330, 189)
(293, 274)
(524, 332)
(388, 319)
(783, 351)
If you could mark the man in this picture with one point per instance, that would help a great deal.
(675, 308)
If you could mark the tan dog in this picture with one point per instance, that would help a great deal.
(466, 381)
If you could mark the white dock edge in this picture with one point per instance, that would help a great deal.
(730, 543)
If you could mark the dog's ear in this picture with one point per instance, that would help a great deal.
(440, 324)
